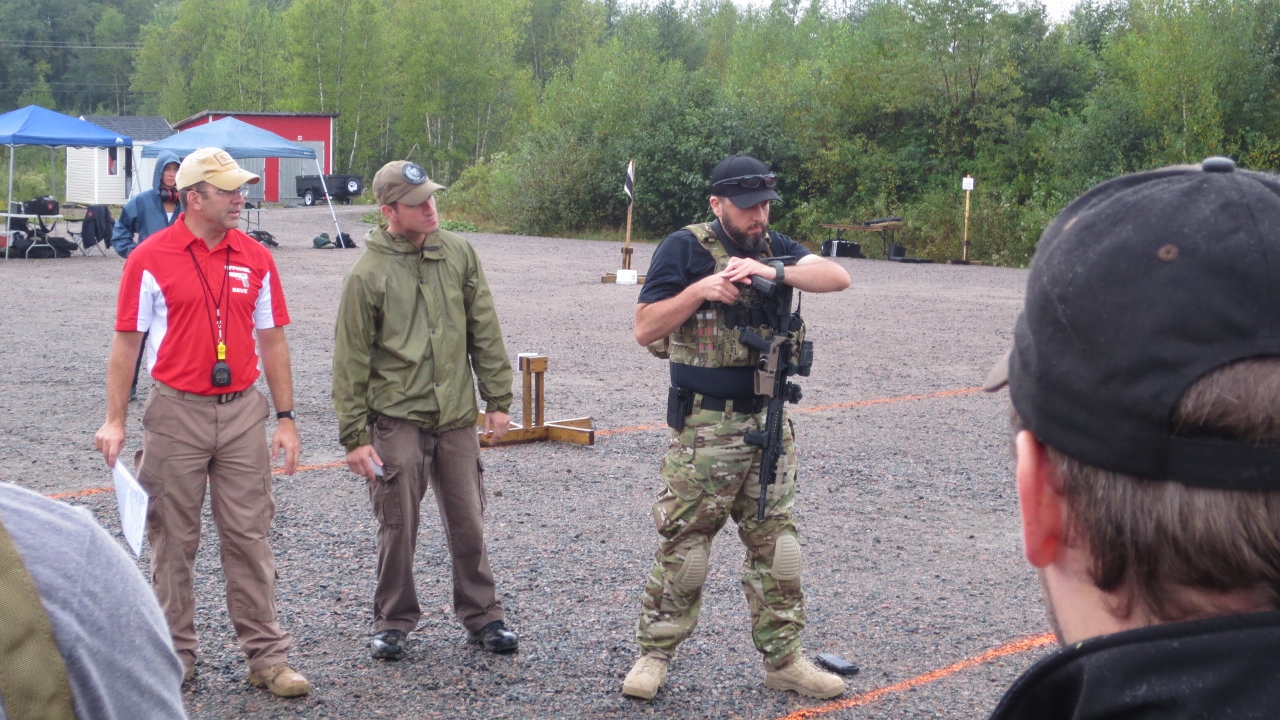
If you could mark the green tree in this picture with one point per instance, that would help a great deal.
(336, 54)
(459, 92)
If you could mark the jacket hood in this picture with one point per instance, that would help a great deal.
(384, 242)
(164, 158)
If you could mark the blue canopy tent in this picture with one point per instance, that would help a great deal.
(240, 140)
(34, 125)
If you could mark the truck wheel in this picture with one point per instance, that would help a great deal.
(353, 186)
(308, 198)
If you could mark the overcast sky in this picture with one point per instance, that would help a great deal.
(1058, 9)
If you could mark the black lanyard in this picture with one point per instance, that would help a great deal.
(217, 304)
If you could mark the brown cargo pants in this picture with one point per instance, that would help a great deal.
(189, 440)
(449, 462)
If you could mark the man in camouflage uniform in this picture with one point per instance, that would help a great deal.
(696, 293)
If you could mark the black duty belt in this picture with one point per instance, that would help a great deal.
(748, 406)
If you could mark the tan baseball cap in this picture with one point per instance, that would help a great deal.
(214, 166)
(403, 181)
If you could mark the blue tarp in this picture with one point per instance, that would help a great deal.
(34, 125)
(238, 138)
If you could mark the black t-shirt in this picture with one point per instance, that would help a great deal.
(681, 261)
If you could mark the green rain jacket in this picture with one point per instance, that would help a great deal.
(412, 325)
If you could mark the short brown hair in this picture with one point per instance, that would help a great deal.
(1151, 541)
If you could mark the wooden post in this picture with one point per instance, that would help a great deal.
(967, 186)
(626, 247)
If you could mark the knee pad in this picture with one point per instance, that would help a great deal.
(786, 559)
(693, 572)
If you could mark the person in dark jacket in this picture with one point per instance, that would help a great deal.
(1145, 382)
(147, 213)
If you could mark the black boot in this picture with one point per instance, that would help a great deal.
(496, 638)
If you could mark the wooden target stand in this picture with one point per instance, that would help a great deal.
(626, 249)
(535, 428)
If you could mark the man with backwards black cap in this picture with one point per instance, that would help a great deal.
(698, 279)
(1145, 379)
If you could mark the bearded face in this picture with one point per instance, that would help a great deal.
(747, 228)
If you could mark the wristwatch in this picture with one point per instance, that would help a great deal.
(777, 266)
(286, 414)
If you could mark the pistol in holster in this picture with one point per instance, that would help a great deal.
(679, 407)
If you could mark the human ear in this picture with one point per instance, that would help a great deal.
(1039, 500)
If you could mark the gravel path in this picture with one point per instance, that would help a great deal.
(907, 508)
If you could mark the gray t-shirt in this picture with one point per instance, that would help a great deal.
(106, 622)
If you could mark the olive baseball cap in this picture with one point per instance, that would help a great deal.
(1139, 288)
(214, 166)
(745, 180)
(405, 182)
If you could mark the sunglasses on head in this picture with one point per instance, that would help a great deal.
(749, 181)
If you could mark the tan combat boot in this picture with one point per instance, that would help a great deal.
(646, 676)
(282, 680)
(802, 677)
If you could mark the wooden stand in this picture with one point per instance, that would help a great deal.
(577, 430)
(626, 247)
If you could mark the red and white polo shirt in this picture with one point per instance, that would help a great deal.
(161, 293)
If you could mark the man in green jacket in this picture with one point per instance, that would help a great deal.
(415, 320)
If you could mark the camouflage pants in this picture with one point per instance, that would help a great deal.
(711, 475)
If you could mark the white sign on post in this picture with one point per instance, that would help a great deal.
(966, 183)
(628, 277)
(132, 500)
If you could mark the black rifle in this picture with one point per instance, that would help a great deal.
(779, 360)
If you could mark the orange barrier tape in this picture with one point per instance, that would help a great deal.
(883, 401)
(80, 493)
(615, 431)
(817, 408)
(1013, 648)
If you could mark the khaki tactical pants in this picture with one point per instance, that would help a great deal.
(189, 441)
(449, 462)
(711, 474)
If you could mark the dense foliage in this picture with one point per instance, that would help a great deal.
(531, 109)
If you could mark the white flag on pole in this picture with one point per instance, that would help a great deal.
(629, 184)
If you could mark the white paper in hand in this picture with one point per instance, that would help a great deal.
(132, 500)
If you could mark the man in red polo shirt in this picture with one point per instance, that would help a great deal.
(201, 289)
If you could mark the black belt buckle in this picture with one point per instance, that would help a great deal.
(225, 398)
(679, 406)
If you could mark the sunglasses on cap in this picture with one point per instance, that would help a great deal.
(749, 181)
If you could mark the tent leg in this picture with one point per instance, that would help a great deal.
(324, 186)
(8, 207)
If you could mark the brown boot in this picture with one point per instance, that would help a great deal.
(801, 676)
(282, 680)
(648, 674)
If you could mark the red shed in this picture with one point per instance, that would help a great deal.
(315, 130)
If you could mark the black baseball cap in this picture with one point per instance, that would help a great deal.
(745, 180)
(1140, 287)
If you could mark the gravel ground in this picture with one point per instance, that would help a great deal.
(907, 508)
